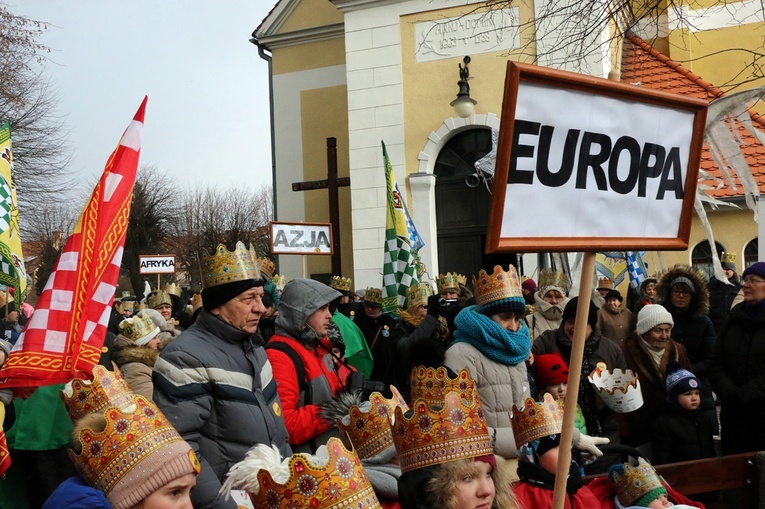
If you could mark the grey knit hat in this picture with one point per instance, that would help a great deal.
(652, 315)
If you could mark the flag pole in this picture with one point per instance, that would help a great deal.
(574, 373)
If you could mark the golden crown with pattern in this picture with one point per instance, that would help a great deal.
(266, 266)
(728, 257)
(431, 384)
(499, 285)
(107, 388)
(537, 419)
(196, 302)
(450, 280)
(417, 295)
(226, 266)
(634, 482)
(342, 284)
(173, 289)
(279, 281)
(137, 328)
(340, 483)
(373, 296)
(606, 283)
(550, 277)
(158, 298)
(430, 435)
(137, 436)
(369, 431)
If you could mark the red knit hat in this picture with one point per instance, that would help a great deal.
(550, 369)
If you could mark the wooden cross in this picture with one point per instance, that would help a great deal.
(332, 182)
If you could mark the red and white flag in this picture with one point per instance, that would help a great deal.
(64, 337)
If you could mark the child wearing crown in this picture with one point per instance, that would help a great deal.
(640, 486)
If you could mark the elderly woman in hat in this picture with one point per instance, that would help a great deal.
(135, 351)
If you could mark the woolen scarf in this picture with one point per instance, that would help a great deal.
(489, 338)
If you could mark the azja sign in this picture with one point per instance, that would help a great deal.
(157, 264)
(301, 238)
(588, 164)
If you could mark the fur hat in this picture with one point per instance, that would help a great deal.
(699, 304)
(680, 380)
(569, 312)
(614, 294)
(652, 315)
(550, 369)
(758, 269)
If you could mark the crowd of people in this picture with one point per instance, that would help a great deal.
(261, 390)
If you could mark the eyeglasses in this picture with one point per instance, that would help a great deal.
(753, 281)
(681, 291)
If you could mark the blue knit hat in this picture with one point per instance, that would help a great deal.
(680, 380)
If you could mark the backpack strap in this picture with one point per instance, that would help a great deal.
(297, 362)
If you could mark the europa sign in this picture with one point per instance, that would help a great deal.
(157, 264)
(301, 238)
(589, 164)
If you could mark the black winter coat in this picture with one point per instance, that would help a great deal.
(681, 435)
(721, 299)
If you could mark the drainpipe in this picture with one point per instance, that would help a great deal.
(267, 57)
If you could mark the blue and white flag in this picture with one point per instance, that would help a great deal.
(414, 236)
(636, 269)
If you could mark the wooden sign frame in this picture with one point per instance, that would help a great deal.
(296, 245)
(519, 74)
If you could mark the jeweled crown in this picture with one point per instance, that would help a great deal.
(226, 266)
(158, 298)
(450, 280)
(341, 284)
(279, 281)
(266, 266)
(433, 435)
(549, 277)
(418, 295)
(728, 257)
(635, 482)
(107, 388)
(605, 282)
(173, 289)
(537, 420)
(136, 328)
(499, 285)
(369, 431)
(431, 384)
(374, 296)
(339, 484)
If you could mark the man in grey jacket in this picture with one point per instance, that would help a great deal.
(214, 382)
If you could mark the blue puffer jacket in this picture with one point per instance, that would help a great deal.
(75, 494)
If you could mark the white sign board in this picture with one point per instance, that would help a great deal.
(301, 238)
(484, 32)
(590, 164)
(157, 264)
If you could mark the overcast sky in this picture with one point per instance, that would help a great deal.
(207, 118)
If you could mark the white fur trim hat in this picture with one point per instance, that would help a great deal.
(652, 315)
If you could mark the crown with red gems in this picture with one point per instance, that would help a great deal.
(341, 284)
(499, 285)
(431, 384)
(537, 420)
(340, 483)
(266, 266)
(279, 281)
(430, 435)
(450, 280)
(549, 277)
(619, 389)
(418, 294)
(634, 482)
(606, 283)
(369, 431)
(107, 388)
(226, 266)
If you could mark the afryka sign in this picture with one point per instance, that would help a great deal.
(157, 264)
(588, 164)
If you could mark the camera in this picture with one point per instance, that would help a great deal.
(356, 383)
(448, 303)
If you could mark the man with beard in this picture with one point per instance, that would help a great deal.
(549, 302)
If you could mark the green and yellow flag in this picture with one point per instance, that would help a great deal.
(12, 272)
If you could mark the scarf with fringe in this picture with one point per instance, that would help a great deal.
(489, 338)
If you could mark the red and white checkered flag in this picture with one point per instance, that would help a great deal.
(64, 337)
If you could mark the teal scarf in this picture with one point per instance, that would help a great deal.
(486, 335)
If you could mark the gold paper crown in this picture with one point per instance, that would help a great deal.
(266, 266)
(158, 298)
(431, 384)
(107, 388)
(228, 266)
(279, 281)
(635, 482)
(605, 282)
(434, 435)
(728, 257)
(173, 289)
(342, 284)
(373, 296)
(418, 295)
(369, 431)
(450, 280)
(549, 277)
(499, 285)
(339, 484)
(196, 302)
(136, 328)
(537, 420)
(3, 296)
(132, 433)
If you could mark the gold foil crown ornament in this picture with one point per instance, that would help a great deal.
(173, 289)
(450, 280)
(138, 329)
(373, 296)
(537, 420)
(431, 384)
(81, 397)
(158, 298)
(499, 285)
(728, 257)
(369, 430)
(549, 277)
(226, 266)
(428, 435)
(633, 482)
(341, 284)
(266, 266)
(605, 283)
(340, 483)
(418, 295)
(279, 281)
(196, 302)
